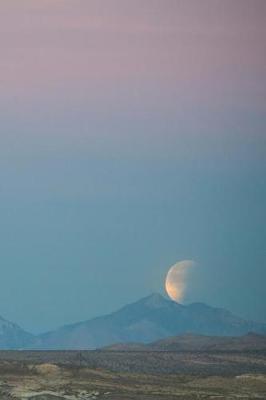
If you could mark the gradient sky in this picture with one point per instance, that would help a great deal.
(132, 137)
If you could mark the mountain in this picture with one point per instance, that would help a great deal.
(191, 342)
(145, 321)
(12, 336)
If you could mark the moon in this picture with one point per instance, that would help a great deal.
(176, 279)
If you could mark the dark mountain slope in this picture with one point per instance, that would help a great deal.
(191, 342)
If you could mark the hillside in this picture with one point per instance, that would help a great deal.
(197, 343)
(12, 336)
(147, 320)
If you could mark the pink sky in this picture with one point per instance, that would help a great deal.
(156, 52)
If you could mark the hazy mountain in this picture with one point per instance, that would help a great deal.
(12, 336)
(145, 321)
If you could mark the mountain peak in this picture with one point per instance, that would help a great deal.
(149, 319)
(154, 300)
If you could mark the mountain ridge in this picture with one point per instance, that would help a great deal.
(12, 336)
(149, 319)
(144, 321)
(192, 342)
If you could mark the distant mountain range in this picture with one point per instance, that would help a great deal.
(147, 320)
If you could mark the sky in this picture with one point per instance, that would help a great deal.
(132, 137)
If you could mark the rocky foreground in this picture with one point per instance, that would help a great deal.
(132, 375)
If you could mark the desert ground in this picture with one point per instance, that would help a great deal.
(120, 375)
